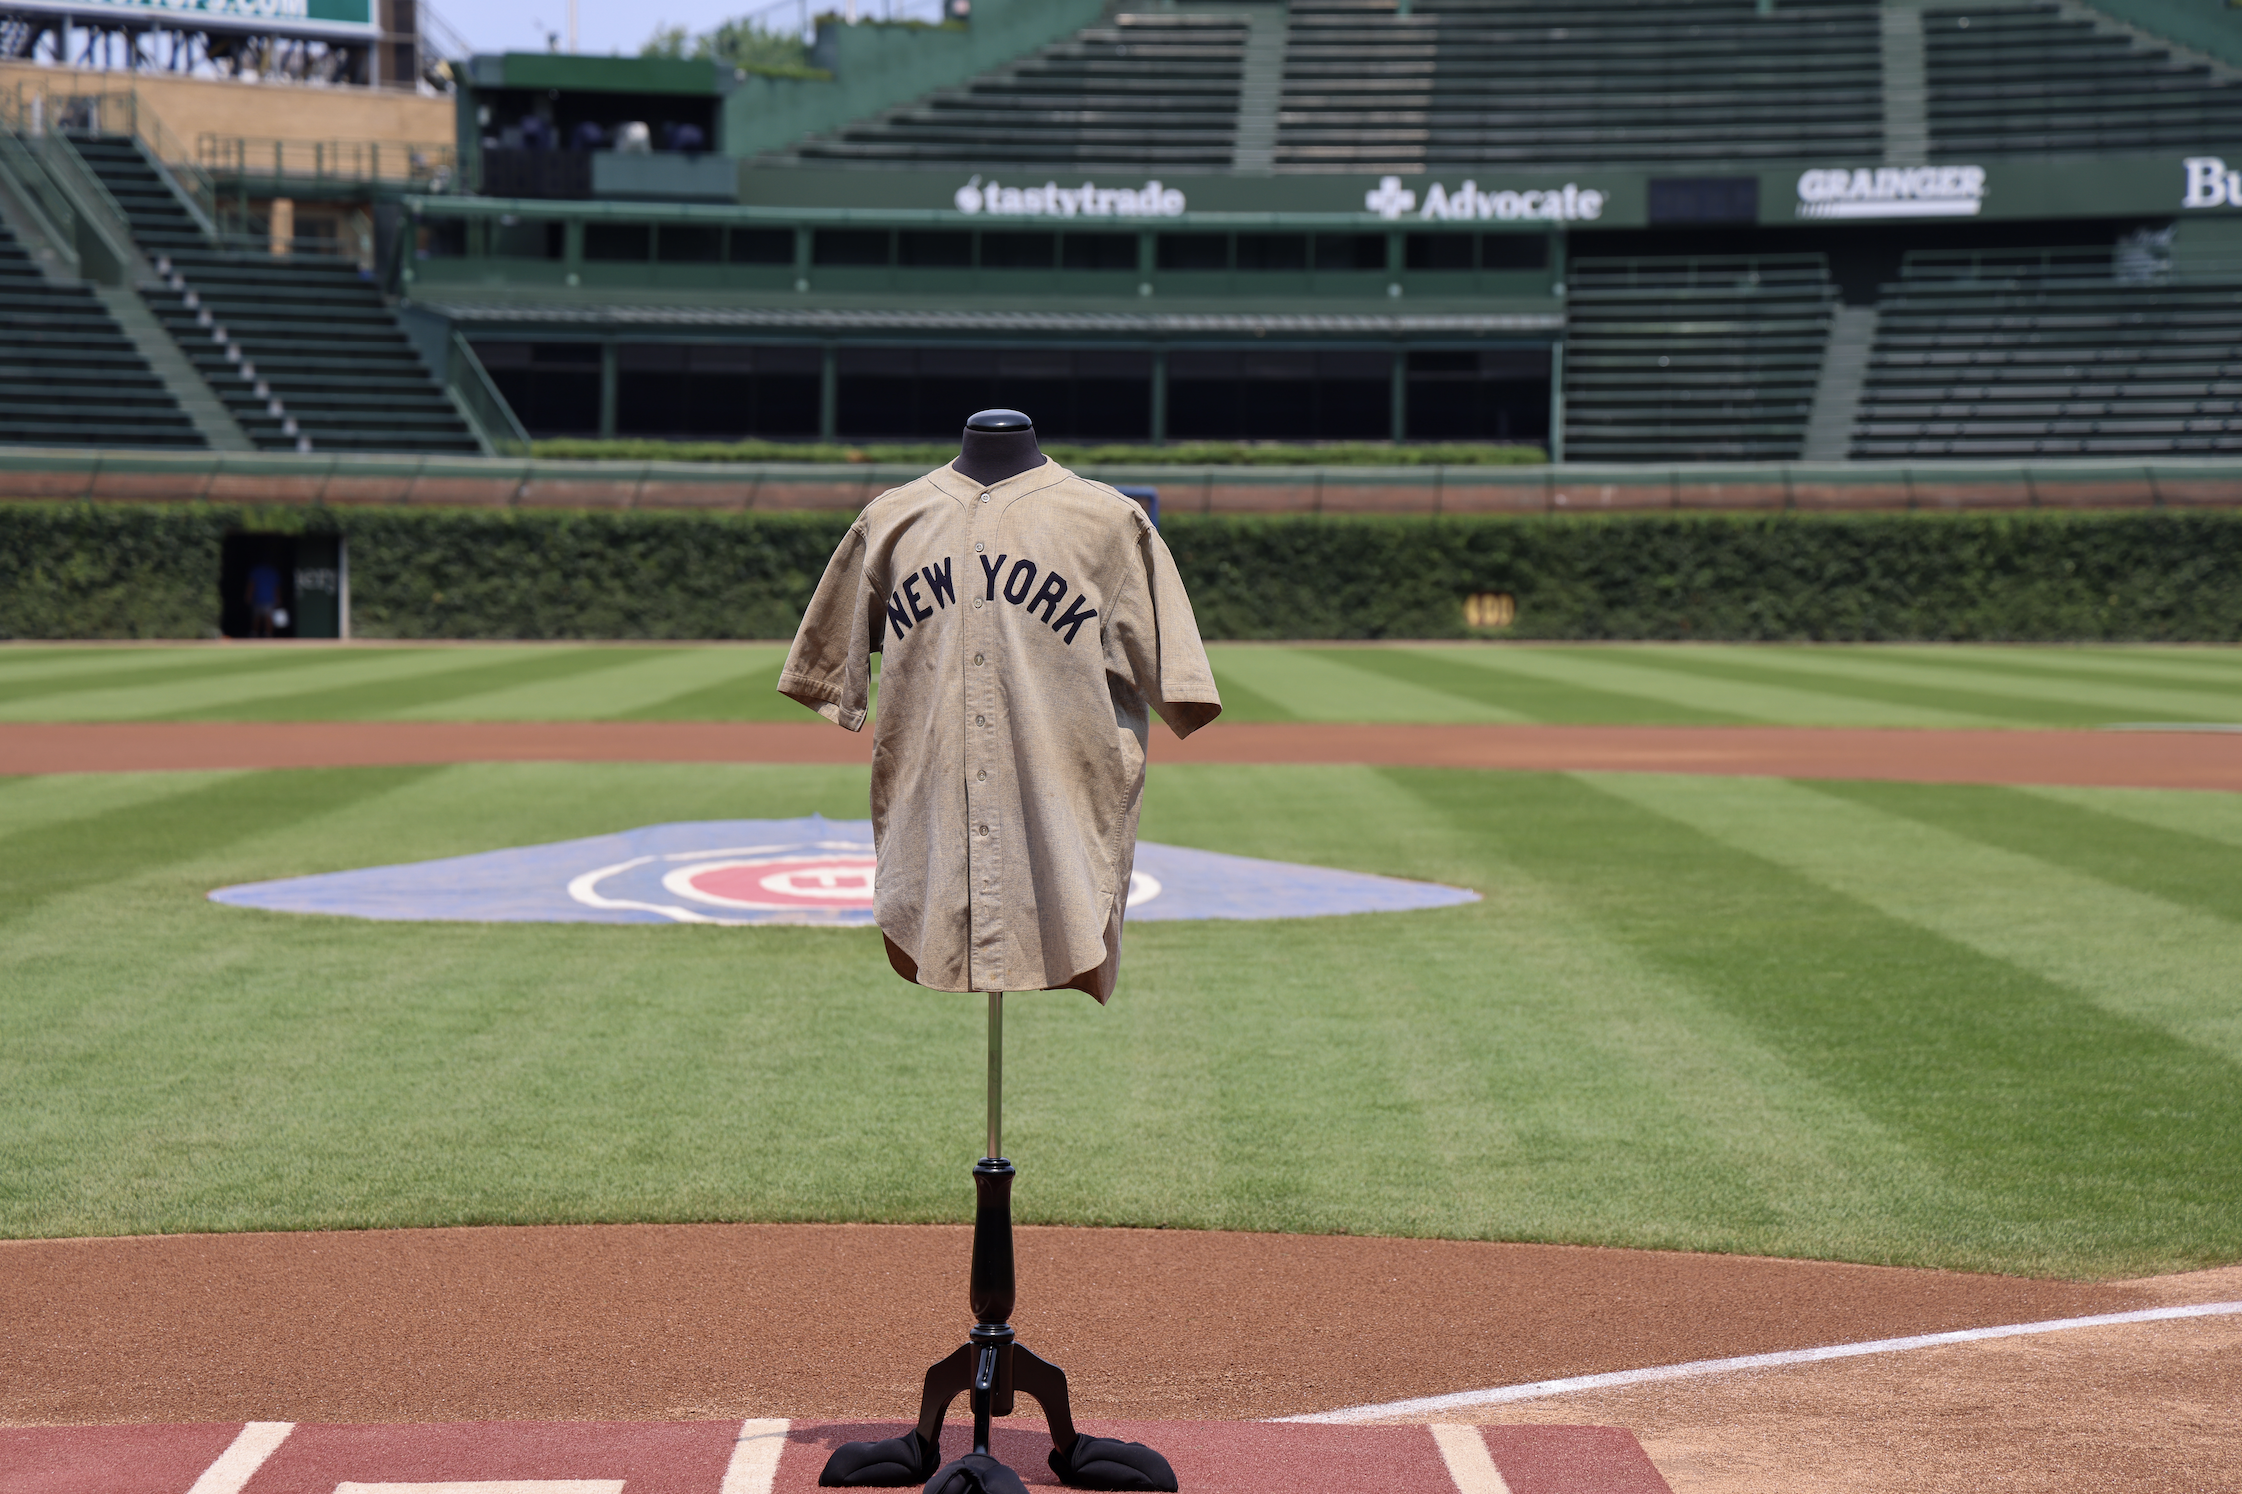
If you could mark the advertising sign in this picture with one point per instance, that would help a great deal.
(1892, 192)
(1802, 194)
(336, 19)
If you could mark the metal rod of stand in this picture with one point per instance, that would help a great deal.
(996, 1074)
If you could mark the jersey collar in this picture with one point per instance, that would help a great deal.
(957, 485)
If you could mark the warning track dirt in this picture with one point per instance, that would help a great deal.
(2088, 759)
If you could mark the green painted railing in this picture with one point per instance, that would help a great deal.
(52, 474)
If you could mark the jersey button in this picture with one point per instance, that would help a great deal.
(976, 658)
(982, 776)
(980, 721)
(984, 497)
(978, 547)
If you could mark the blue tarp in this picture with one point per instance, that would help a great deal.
(808, 871)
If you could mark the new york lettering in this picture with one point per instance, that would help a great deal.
(906, 609)
(907, 606)
(1018, 585)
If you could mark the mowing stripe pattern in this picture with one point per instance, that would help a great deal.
(1954, 1025)
(1900, 685)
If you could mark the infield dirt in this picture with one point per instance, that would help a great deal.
(685, 1321)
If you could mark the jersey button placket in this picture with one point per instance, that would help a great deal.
(984, 857)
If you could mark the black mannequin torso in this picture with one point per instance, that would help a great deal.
(998, 444)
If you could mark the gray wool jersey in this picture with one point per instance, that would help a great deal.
(1026, 630)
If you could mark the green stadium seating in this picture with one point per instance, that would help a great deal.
(2034, 80)
(2047, 353)
(1577, 83)
(1149, 91)
(1694, 359)
(311, 358)
(68, 374)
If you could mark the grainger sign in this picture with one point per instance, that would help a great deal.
(1892, 192)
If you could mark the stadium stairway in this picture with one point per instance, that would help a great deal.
(1583, 82)
(302, 352)
(2007, 81)
(69, 376)
(2048, 353)
(1157, 90)
(1714, 358)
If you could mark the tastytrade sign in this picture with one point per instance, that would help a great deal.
(1567, 204)
(1054, 201)
(1892, 192)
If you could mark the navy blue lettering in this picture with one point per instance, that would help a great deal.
(901, 618)
(920, 612)
(1054, 592)
(1074, 617)
(939, 584)
(988, 570)
(1022, 577)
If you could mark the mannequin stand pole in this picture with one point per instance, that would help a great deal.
(996, 1074)
(993, 1366)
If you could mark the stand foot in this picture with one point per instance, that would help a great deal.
(996, 1372)
(993, 1367)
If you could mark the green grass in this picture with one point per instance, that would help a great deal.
(1959, 1026)
(1642, 684)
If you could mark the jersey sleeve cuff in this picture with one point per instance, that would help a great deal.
(821, 696)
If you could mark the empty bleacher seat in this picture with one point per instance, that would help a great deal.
(1551, 83)
(2034, 79)
(2049, 353)
(1694, 359)
(68, 374)
(330, 354)
(1148, 91)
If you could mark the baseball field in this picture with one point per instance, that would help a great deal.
(1986, 1026)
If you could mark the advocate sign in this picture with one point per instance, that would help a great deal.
(321, 18)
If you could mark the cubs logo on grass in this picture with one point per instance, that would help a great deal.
(812, 871)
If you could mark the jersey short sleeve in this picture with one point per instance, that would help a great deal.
(829, 669)
(1154, 640)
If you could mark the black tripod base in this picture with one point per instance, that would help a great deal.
(994, 1370)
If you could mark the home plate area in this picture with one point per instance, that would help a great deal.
(771, 1456)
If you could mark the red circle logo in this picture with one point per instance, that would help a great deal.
(822, 881)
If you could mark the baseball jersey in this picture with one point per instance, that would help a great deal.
(1026, 629)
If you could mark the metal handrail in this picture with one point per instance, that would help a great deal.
(98, 211)
(328, 160)
(35, 193)
(62, 106)
(2060, 265)
(173, 159)
(487, 414)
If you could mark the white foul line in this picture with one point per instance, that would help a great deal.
(1471, 1468)
(755, 1456)
(1695, 1367)
(498, 1486)
(243, 1457)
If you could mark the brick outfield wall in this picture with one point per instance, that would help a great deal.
(317, 480)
